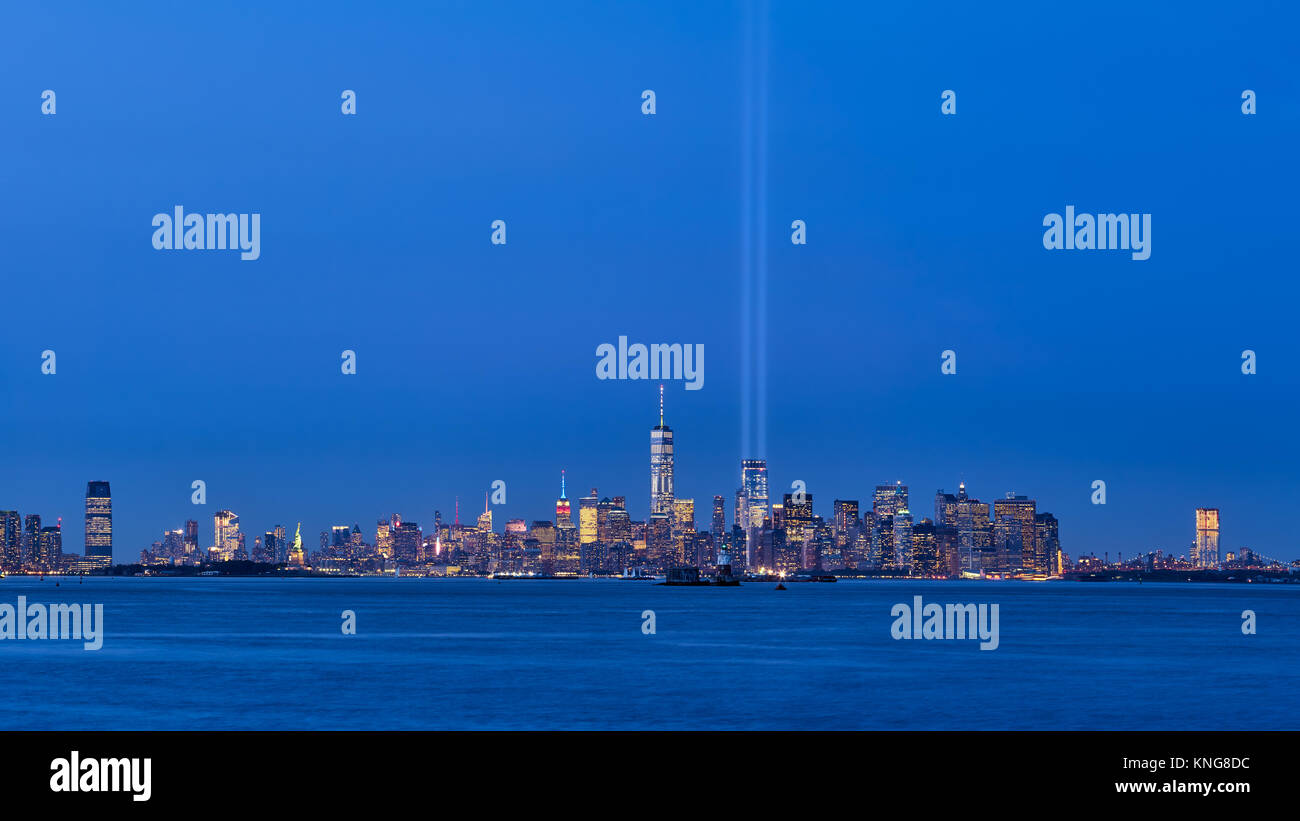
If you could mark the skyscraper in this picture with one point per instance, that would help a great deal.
(1015, 535)
(1048, 535)
(192, 555)
(49, 546)
(683, 529)
(31, 535)
(752, 501)
(563, 513)
(225, 526)
(753, 485)
(889, 499)
(844, 530)
(1206, 551)
(718, 528)
(11, 540)
(661, 463)
(587, 514)
(902, 523)
(408, 542)
(99, 524)
(798, 519)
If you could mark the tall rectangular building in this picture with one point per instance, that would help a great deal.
(99, 524)
(1206, 553)
(1016, 537)
(797, 513)
(11, 540)
(889, 499)
(225, 528)
(588, 513)
(661, 463)
(31, 535)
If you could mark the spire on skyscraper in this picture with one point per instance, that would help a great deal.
(661, 404)
(562, 496)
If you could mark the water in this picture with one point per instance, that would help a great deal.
(229, 653)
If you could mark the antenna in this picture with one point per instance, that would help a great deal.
(661, 404)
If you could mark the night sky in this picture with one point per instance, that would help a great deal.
(477, 362)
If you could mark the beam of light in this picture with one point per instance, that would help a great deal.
(753, 231)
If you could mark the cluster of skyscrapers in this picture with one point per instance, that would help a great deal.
(1006, 537)
(27, 546)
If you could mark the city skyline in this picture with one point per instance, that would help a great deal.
(754, 509)
(474, 362)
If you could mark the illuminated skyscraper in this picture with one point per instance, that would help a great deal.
(173, 544)
(844, 530)
(563, 516)
(926, 558)
(752, 501)
(384, 538)
(192, 555)
(544, 534)
(1015, 535)
(11, 540)
(99, 524)
(945, 509)
(587, 515)
(797, 510)
(661, 463)
(1048, 534)
(902, 521)
(1206, 551)
(683, 528)
(718, 528)
(49, 546)
(889, 499)
(408, 542)
(753, 485)
(225, 525)
(31, 535)
(271, 547)
(620, 524)
(659, 541)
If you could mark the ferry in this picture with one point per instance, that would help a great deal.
(690, 577)
(638, 574)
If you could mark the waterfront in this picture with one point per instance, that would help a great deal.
(254, 653)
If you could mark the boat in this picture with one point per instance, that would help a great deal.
(637, 574)
(780, 586)
(813, 577)
(690, 577)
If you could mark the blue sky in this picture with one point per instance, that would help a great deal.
(477, 362)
